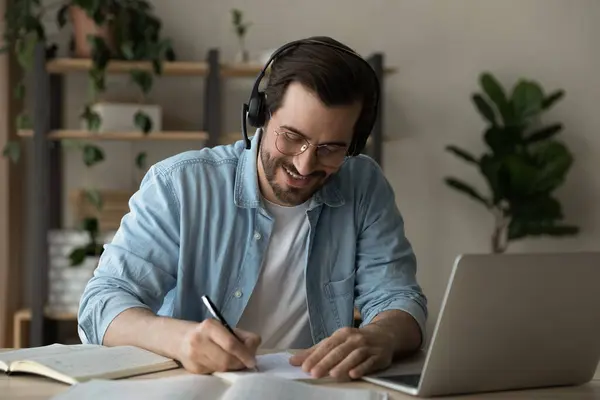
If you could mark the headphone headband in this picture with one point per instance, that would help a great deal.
(254, 111)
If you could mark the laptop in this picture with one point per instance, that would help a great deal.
(508, 322)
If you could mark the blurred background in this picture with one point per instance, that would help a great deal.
(490, 128)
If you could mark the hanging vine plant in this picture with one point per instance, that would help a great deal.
(102, 31)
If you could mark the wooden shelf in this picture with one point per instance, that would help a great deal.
(126, 136)
(179, 68)
(25, 315)
(175, 68)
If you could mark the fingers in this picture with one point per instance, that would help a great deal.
(320, 351)
(298, 358)
(363, 368)
(251, 340)
(346, 355)
(357, 362)
(232, 346)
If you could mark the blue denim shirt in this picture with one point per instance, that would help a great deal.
(197, 226)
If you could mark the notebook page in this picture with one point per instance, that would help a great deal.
(185, 387)
(50, 350)
(269, 387)
(276, 364)
(106, 362)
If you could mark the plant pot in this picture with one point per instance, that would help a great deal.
(83, 26)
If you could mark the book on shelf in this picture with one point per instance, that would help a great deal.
(73, 364)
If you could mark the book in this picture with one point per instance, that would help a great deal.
(197, 387)
(73, 364)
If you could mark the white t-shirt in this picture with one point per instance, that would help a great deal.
(277, 309)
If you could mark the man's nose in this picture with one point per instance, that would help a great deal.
(305, 162)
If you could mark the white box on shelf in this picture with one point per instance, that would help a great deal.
(120, 117)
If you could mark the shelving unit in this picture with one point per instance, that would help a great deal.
(48, 132)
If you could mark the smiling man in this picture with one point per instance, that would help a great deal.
(286, 238)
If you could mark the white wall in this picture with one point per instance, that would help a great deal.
(440, 48)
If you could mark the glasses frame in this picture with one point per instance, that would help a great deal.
(306, 146)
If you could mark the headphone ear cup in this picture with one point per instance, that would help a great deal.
(256, 110)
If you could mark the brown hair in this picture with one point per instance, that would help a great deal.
(336, 77)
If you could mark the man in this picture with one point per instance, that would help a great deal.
(286, 238)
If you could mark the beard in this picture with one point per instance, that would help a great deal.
(290, 195)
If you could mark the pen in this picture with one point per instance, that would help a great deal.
(217, 315)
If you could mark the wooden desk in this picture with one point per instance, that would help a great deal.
(37, 388)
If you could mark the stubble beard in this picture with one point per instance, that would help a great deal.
(290, 196)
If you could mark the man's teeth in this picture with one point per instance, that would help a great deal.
(293, 175)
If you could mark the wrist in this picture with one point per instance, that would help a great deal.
(380, 335)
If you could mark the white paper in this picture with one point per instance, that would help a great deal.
(276, 364)
(200, 387)
(185, 387)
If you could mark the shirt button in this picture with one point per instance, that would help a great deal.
(257, 236)
(238, 293)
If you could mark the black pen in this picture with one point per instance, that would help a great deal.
(217, 315)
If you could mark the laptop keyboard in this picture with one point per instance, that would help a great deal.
(411, 380)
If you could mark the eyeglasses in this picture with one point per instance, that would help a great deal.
(293, 144)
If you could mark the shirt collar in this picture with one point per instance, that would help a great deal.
(247, 192)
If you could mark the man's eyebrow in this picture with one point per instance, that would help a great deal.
(298, 132)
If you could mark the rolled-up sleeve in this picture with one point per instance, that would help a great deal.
(139, 266)
(386, 263)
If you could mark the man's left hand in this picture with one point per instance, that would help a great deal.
(348, 353)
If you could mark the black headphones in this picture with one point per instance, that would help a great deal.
(255, 110)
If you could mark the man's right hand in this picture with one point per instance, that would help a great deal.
(208, 347)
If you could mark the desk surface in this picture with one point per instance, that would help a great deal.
(32, 387)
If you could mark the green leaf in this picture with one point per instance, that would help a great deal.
(61, 17)
(552, 98)
(143, 121)
(20, 90)
(496, 93)
(127, 50)
(92, 155)
(95, 198)
(503, 140)
(140, 160)
(490, 168)
(90, 225)
(12, 151)
(554, 161)
(527, 99)
(77, 256)
(468, 190)
(462, 154)
(142, 79)
(521, 177)
(24, 121)
(92, 118)
(25, 48)
(544, 133)
(484, 108)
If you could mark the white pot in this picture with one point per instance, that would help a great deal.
(120, 117)
(66, 284)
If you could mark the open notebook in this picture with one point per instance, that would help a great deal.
(73, 364)
(198, 387)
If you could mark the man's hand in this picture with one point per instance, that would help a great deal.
(348, 353)
(353, 353)
(208, 347)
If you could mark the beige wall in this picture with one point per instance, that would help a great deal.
(439, 47)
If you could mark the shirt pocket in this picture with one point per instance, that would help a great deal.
(341, 300)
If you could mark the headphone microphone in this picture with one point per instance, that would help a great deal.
(254, 112)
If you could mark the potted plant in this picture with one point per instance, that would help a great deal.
(102, 31)
(240, 29)
(524, 164)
